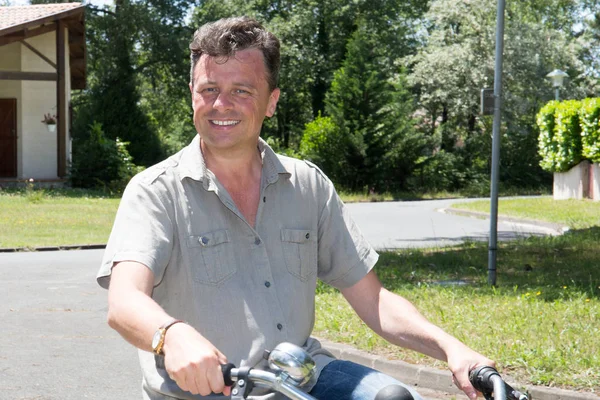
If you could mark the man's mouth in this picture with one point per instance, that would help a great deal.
(224, 122)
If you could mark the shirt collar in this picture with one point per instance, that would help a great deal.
(192, 165)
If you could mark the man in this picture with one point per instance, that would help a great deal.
(215, 252)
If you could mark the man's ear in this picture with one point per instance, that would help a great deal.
(191, 88)
(273, 99)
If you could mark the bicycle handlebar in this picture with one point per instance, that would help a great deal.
(242, 380)
(489, 382)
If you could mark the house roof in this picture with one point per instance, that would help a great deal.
(18, 23)
(15, 16)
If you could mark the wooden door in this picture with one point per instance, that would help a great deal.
(8, 138)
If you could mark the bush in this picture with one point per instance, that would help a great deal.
(560, 135)
(590, 129)
(324, 144)
(100, 162)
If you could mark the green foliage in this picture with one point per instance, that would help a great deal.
(569, 133)
(324, 144)
(441, 171)
(371, 123)
(590, 129)
(547, 145)
(100, 162)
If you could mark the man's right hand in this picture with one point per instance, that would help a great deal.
(193, 362)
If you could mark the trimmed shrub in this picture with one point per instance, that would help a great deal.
(546, 144)
(560, 140)
(590, 129)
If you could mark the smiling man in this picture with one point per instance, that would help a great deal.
(215, 252)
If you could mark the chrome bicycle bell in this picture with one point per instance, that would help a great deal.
(292, 363)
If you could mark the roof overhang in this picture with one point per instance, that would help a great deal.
(18, 23)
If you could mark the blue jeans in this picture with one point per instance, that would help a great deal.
(345, 380)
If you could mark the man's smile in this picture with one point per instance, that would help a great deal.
(224, 122)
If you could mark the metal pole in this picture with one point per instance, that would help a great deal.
(556, 94)
(492, 248)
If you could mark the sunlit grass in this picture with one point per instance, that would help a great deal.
(43, 218)
(541, 323)
(576, 214)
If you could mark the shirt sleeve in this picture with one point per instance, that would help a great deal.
(345, 256)
(142, 231)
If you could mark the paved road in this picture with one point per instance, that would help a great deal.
(55, 344)
(421, 224)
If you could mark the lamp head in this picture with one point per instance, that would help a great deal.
(557, 76)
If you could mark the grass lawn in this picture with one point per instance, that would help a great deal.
(541, 323)
(577, 214)
(37, 218)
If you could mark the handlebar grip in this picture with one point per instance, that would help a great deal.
(481, 378)
(226, 369)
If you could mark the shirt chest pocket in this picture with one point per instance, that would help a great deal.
(300, 252)
(211, 257)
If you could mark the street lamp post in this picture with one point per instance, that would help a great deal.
(557, 77)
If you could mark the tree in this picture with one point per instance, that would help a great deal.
(136, 64)
(457, 61)
(370, 127)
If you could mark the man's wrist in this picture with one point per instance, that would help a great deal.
(158, 340)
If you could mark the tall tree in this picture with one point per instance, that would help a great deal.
(374, 139)
(457, 61)
(136, 55)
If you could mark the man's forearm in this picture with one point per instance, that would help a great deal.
(131, 310)
(402, 324)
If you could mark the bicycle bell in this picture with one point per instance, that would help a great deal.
(292, 363)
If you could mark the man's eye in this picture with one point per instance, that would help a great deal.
(241, 91)
(209, 90)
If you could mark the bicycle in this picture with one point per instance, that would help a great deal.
(293, 368)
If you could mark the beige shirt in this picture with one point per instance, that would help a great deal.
(245, 289)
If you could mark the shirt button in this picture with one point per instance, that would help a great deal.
(307, 235)
(257, 241)
(264, 199)
(203, 240)
(267, 284)
(279, 326)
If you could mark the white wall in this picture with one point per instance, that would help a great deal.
(38, 98)
(596, 183)
(573, 184)
(10, 60)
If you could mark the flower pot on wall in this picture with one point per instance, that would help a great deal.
(573, 184)
(51, 128)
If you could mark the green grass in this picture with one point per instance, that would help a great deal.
(541, 323)
(36, 218)
(577, 214)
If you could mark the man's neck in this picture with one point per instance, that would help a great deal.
(234, 165)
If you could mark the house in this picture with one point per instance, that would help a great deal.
(42, 58)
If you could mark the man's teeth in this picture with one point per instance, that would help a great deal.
(224, 123)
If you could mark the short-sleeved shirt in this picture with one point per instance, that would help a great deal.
(244, 288)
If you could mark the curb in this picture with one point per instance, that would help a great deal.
(53, 248)
(557, 229)
(435, 379)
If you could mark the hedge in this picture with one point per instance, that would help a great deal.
(569, 133)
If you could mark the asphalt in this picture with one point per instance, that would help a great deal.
(55, 343)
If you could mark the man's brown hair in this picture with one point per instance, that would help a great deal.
(223, 38)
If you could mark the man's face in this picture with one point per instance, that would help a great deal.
(231, 99)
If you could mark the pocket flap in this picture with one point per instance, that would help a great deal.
(296, 235)
(209, 239)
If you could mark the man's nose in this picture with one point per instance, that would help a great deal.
(223, 102)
